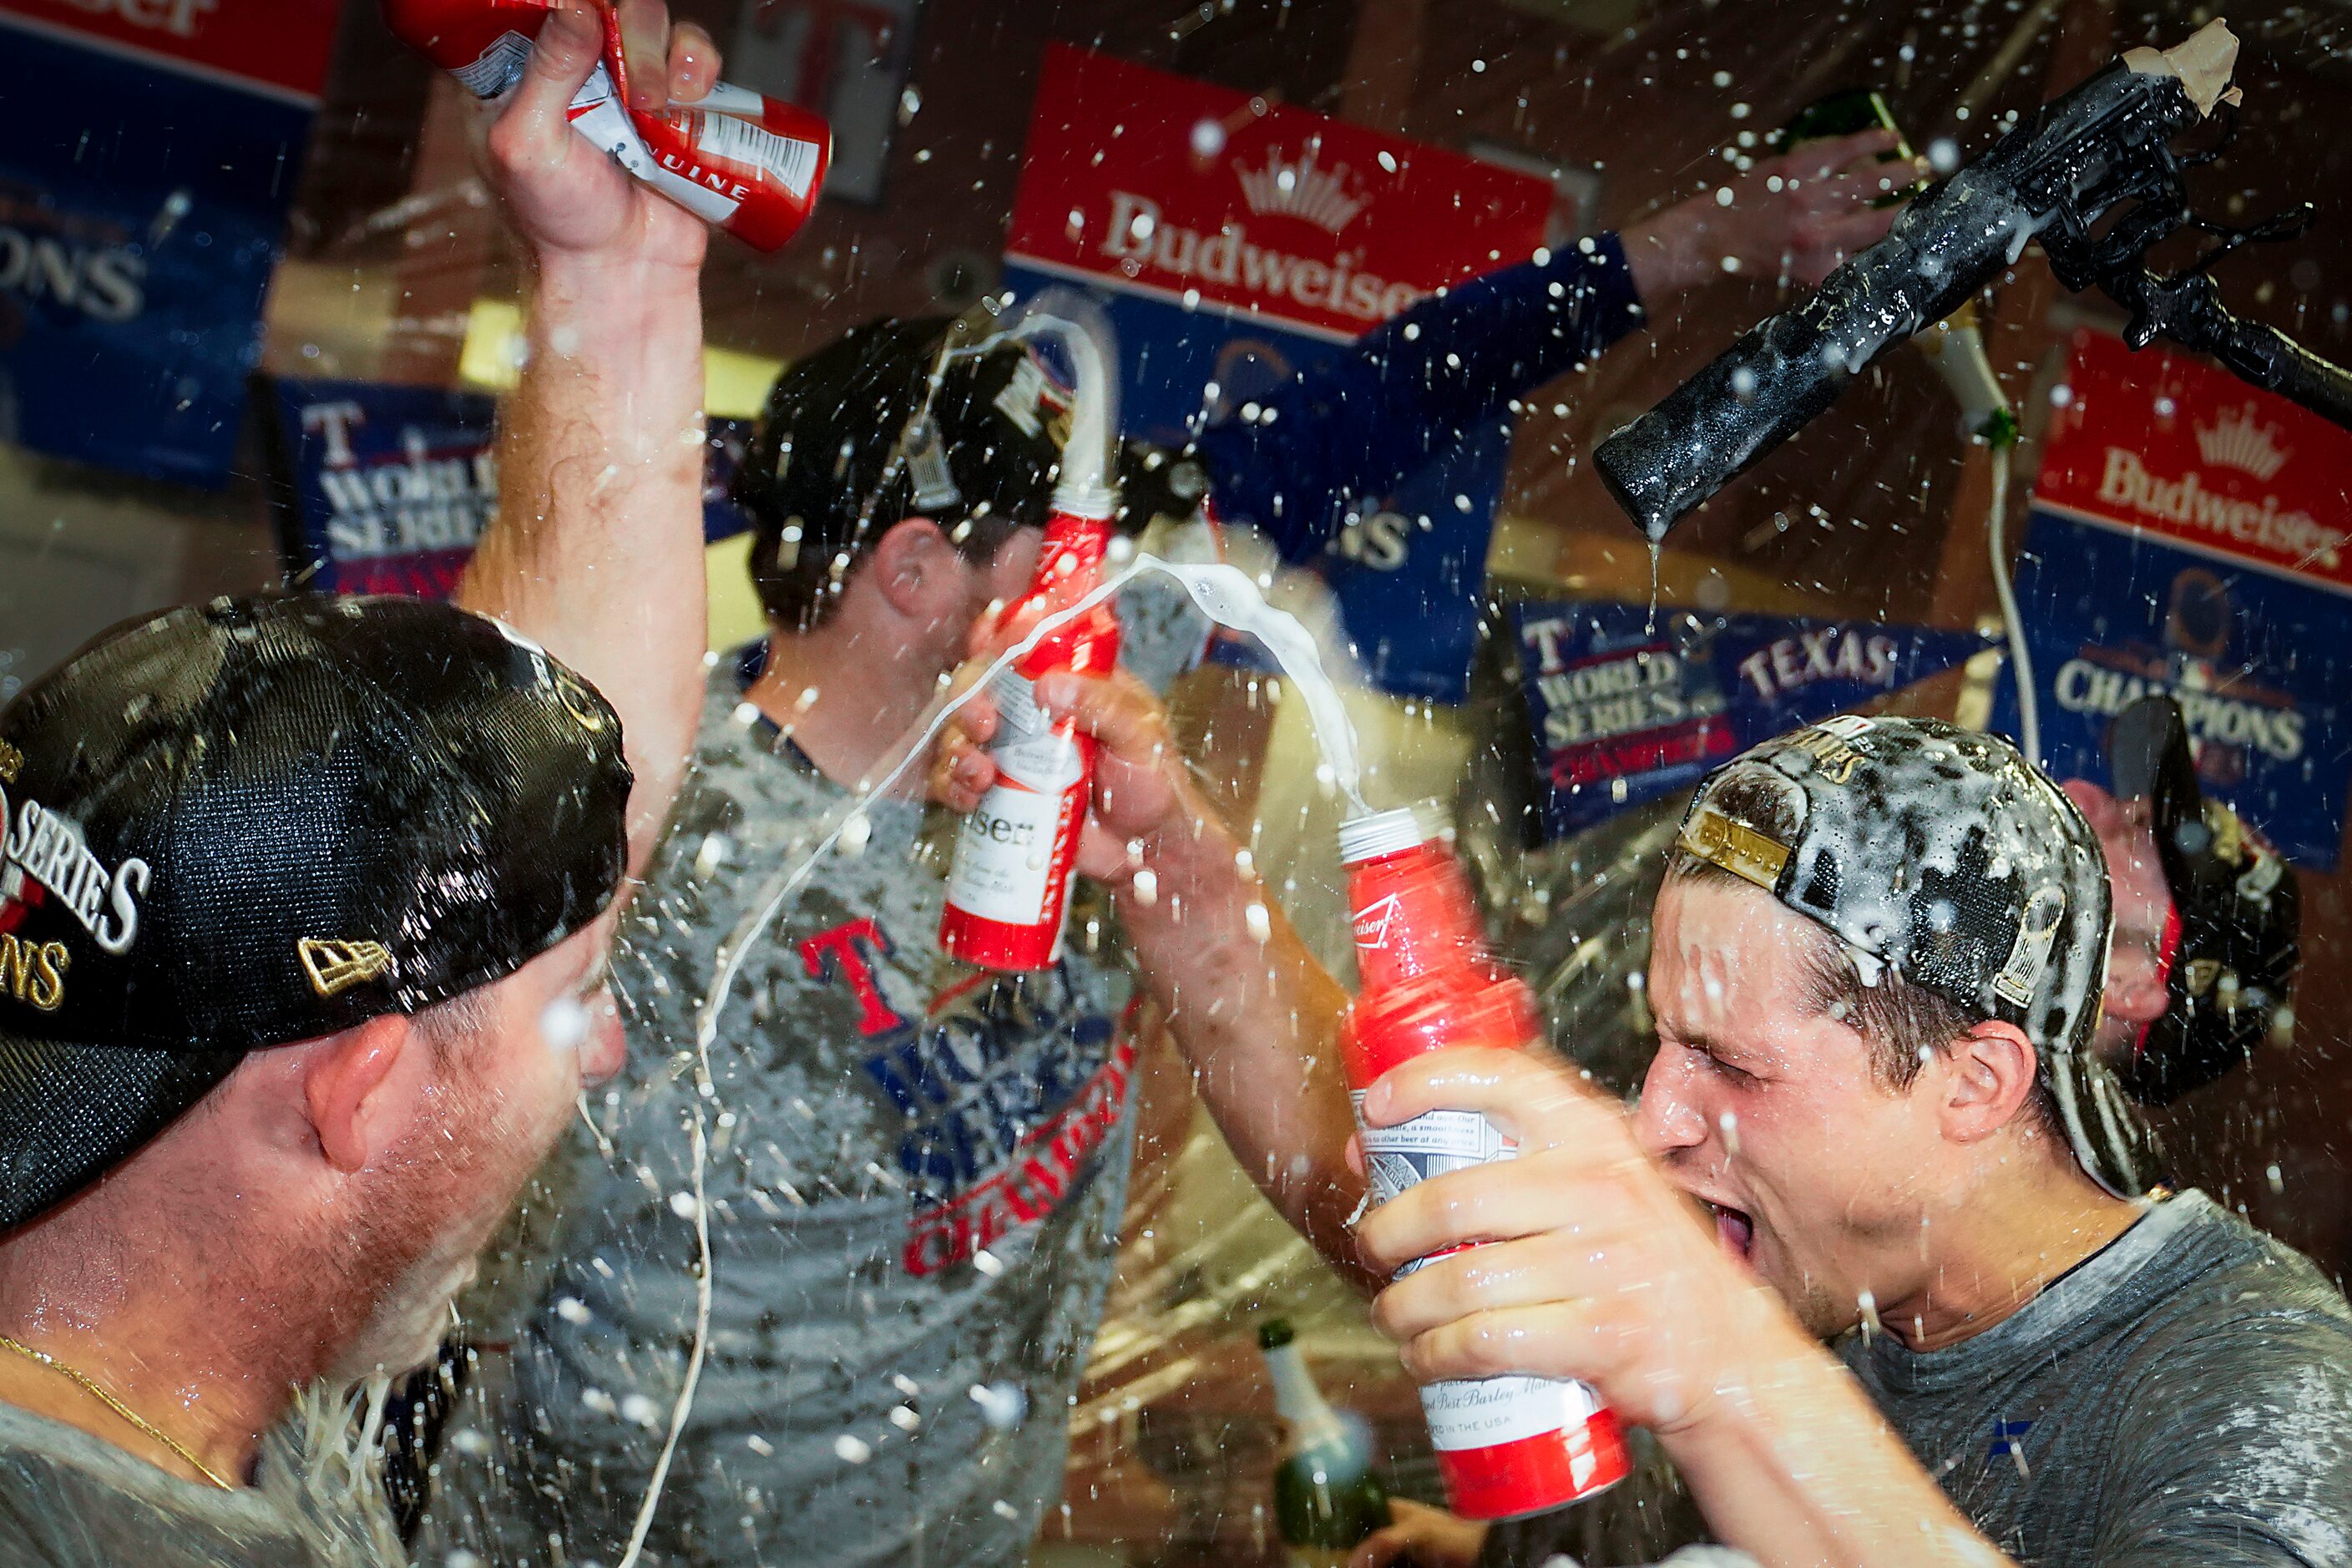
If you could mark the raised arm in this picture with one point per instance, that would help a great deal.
(597, 549)
(1255, 1015)
(1353, 428)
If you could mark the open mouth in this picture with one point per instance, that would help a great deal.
(1735, 1230)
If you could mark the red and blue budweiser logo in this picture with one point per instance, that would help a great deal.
(2165, 442)
(1155, 183)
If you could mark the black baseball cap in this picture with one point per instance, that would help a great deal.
(898, 418)
(2232, 942)
(257, 821)
(1941, 853)
(922, 416)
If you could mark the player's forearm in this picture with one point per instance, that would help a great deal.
(1257, 1018)
(1793, 1464)
(597, 549)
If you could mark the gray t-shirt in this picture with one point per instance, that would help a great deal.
(915, 1180)
(2183, 1399)
(71, 1500)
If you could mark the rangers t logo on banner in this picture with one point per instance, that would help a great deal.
(1234, 241)
(2189, 536)
(1629, 704)
(388, 487)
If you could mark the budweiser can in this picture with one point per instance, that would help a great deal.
(750, 163)
(1009, 887)
(1505, 1446)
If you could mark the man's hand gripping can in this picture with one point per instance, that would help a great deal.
(748, 164)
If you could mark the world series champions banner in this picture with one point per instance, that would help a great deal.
(1629, 704)
(387, 488)
(1233, 242)
(2188, 536)
(151, 149)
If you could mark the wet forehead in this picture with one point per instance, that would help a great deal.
(1728, 962)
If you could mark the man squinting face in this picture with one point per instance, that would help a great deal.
(500, 1100)
(1765, 1108)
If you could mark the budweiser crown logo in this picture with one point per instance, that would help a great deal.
(1299, 189)
(2235, 441)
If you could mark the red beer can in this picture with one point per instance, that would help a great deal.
(1505, 1446)
(1009, 887)
(750, 163)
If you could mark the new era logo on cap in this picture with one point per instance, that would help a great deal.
(337, 966)
(1737, 848)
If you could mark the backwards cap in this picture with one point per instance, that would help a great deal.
(856, 438)
(1940, 853)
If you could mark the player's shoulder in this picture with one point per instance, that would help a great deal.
(2248, 1325)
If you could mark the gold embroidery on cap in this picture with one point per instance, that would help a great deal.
(34, 971)
(577, 702)
(12, 762)
(336, 966)
(1827, 747)
(2029, 950)
(1737, 848)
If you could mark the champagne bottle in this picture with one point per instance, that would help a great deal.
(1326, 1498)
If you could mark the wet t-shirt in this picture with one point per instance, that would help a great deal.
(2183, 1399)
(68, 1500)
(914, 1183)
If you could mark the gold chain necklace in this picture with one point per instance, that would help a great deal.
(90, 1386)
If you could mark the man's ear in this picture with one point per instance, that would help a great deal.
(339, 1087)
(1988, 1078)
(911, 565)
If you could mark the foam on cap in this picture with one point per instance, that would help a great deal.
(1942, 854)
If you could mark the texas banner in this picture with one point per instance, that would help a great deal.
(1233, 241)
(1629, 704)
(2189, 536)
(386, 489)
(150, 151)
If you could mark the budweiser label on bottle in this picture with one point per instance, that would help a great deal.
(1505, 1446)
(1027, 824)
(1009, 890)
(1481, 1413)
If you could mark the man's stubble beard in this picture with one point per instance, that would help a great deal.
(408, 1258)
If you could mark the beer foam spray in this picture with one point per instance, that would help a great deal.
(1505, 1446)
(750, 163)
(1009, 887)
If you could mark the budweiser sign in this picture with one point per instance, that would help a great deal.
(279, 46)
(1158, 184)
(2167, 443)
